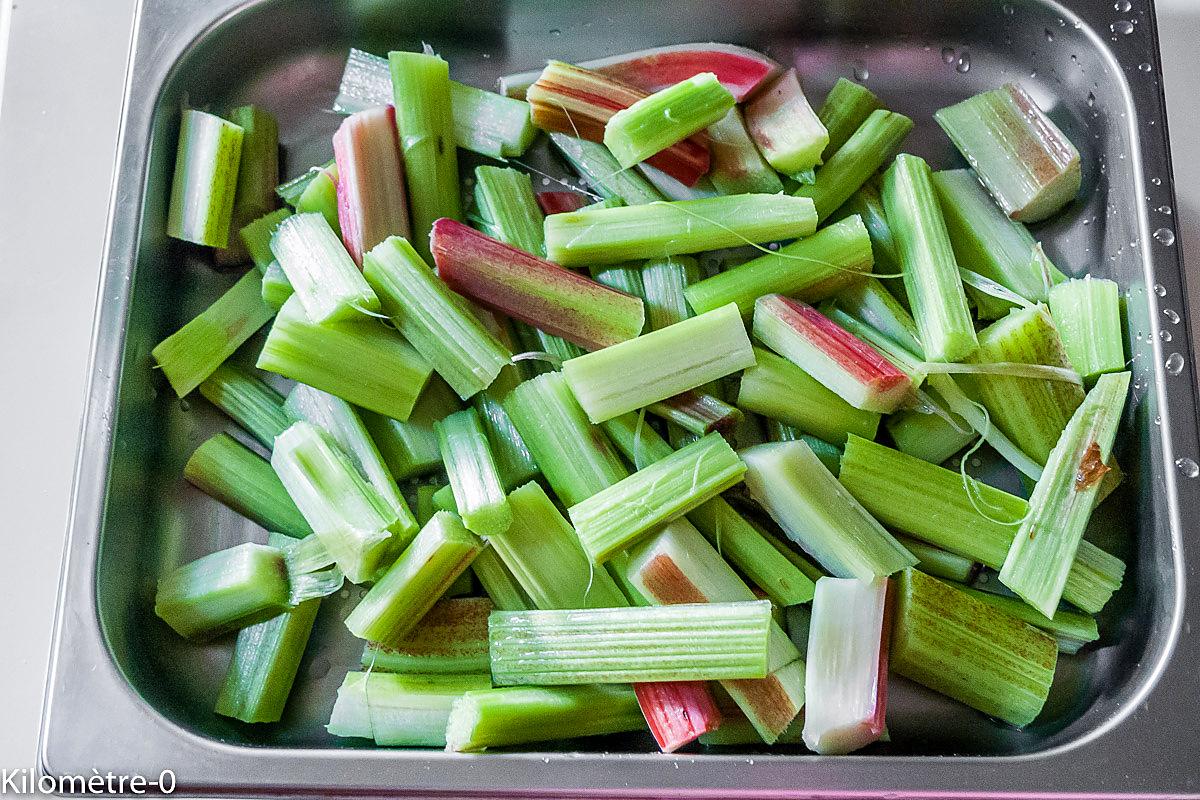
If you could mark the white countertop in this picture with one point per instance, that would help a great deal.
(59, 111)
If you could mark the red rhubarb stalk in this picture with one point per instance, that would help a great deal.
(678, 712)
(561, 202)
(739, 69)
(533, 290)
(372, 203)
(569, 99)
(842, 362)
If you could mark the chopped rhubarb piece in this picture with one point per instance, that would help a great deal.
(562, 202)
(570, 99)
(372, 203)
(786, 129)
(841, 361)
(740, 69)
(533, 290)
(846, 676)
(678, 712)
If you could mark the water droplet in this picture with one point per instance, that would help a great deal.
(1171, 315)
(1174, 364)
(1145, 66)
(964, 63)
(948, 55)
(1156, 181)
(1091, 100)
(1164, 210)
(545, 181)
(1157, 419)
(184, 405)
(1122, 5)
(1008, 9)
(1160, 290)
(861, 73)
(1033, 74)
(555, 32)
(1165, 335)
(1049, 35)
(1187, 467)
(1165, 236)
(1122, 26)
(344, 593)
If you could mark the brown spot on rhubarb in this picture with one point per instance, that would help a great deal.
(1091, 468)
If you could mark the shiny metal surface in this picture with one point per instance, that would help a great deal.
(127, 696)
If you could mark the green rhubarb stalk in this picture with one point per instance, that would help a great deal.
(478, 492)
(812, 269)
(265, 660)
(1024, 160)
(257, 174)
(737, 167)
(194, 352)
(780, 390)
(320, 196)
(223, 591)
(615, 517)
(931, 277)
(433, 319)
(543, 553)
(410, 448)
(697, 413)
(276, 288)
(1045, 545)
(829, 453)
(290, 190)
(423, 505)
(360, 529)
(417, 579)
(498, 582)
(1087, 313)
(612, 235)
(205, 179)
(972, 520)
(1030, 412)
(361, 361)
(247, 400)
(846, 107)
(595, 164)
(868, 204)
(929, 436)
(940, 563)
(256, 237)
(1071, 629)
(872, 145)
(871, 303)
(668, 116)
(661, 364)
(955, 644)
(514, 462)
(452, 639)
(818, 513)
(523, 714)
(421, 94)
(988, 242)
(642, 644)
(399, 710)
(344, 425)
(664, 282)
(324, 277)
(233, 474)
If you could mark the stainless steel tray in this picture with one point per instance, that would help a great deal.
(126, 695)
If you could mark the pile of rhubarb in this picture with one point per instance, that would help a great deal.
(680, 445)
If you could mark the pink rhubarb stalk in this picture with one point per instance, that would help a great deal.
(787, 131)
(372, 203)
(842, 362)
(561, 202)
(678, 712)
(533, 290)
(739, 69)
(847, 664)
(577, 101)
